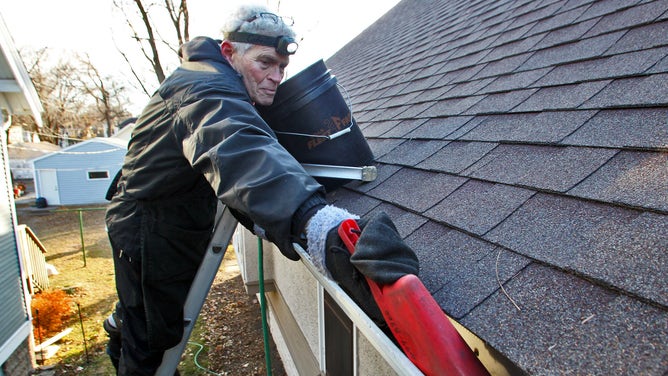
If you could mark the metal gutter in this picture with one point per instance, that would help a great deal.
(386, 348)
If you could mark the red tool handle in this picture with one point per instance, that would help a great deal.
(423, 331)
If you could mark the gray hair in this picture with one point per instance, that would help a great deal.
(239, 21)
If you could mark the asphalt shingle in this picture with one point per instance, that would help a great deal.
(577, 50)
(624, 128)
(380, 147)
(636, 91)
(472, 284)
(595, 331)
(567, 34)
(628, 18)
(547, 168)
(633, 63)
(457, 156)
(416, 190)
(536, 127)
(477, 206)
(439, 128)
(642, 38)
(562, 97)
(600, 242)
(378, 128)
(515, 80)
(404, 127)
(500, 103)
(412, 152)
(449, 107)
(601, 8)
(637, 179)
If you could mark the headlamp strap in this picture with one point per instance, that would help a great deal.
(279, 43)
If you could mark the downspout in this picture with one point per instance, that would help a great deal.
(6, 122)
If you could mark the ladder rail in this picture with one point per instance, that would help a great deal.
(223, 231)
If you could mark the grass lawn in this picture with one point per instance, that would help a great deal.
(90, 286)
(89, 283)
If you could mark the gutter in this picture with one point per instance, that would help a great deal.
(388, 350)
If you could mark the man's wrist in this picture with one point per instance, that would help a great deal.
(304, 213)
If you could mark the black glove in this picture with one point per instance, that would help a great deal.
(337, 260)
(381, 254)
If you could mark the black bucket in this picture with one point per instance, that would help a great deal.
(314, 123)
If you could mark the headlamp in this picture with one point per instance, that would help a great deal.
(283, 45)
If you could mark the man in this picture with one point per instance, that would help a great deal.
(199, 140)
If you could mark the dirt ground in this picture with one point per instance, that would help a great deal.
(229, 326)
(234, 327)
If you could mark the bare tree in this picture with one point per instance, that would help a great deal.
(107, 94)
(142, 19)
(75, 97)
(56, 92)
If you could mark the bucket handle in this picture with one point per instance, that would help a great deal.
(332, 136)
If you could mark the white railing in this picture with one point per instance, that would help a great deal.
(32, 251)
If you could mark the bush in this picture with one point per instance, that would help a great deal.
(49, 310)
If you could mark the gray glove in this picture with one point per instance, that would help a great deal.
(318, 227)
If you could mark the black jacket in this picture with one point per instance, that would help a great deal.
(200, 136)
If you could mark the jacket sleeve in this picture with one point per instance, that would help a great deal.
(248, 169)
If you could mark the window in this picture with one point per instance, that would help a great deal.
(338, 339)
(94, 175)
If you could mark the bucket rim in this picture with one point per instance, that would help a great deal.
(307, 78)
(294, 103)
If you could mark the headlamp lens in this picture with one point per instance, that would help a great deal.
(292, 48)
(286, 46)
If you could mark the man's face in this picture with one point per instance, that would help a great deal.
(262, 69)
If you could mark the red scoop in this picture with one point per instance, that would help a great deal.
(423, 331)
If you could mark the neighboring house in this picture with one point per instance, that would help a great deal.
(124, 129)
(21, 155)
(79, 174)
(522, 151)
(17, 96)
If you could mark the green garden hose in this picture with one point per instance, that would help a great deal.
(263, 306)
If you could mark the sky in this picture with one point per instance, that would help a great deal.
(94, 27)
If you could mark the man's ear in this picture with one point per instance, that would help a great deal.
(227, 50)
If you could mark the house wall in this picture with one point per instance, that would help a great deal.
(15, 326)
(299, 290)
(20, 361)
(21, 169)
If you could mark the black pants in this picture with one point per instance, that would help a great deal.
(153, 283)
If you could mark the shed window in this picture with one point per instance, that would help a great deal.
(93, 175)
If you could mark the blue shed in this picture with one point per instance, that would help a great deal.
(79, 174)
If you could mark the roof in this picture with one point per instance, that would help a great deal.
(30, 150)
(96, 146)
(17, 93)
(522, 151)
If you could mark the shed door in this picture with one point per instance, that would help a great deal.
(48, 186)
